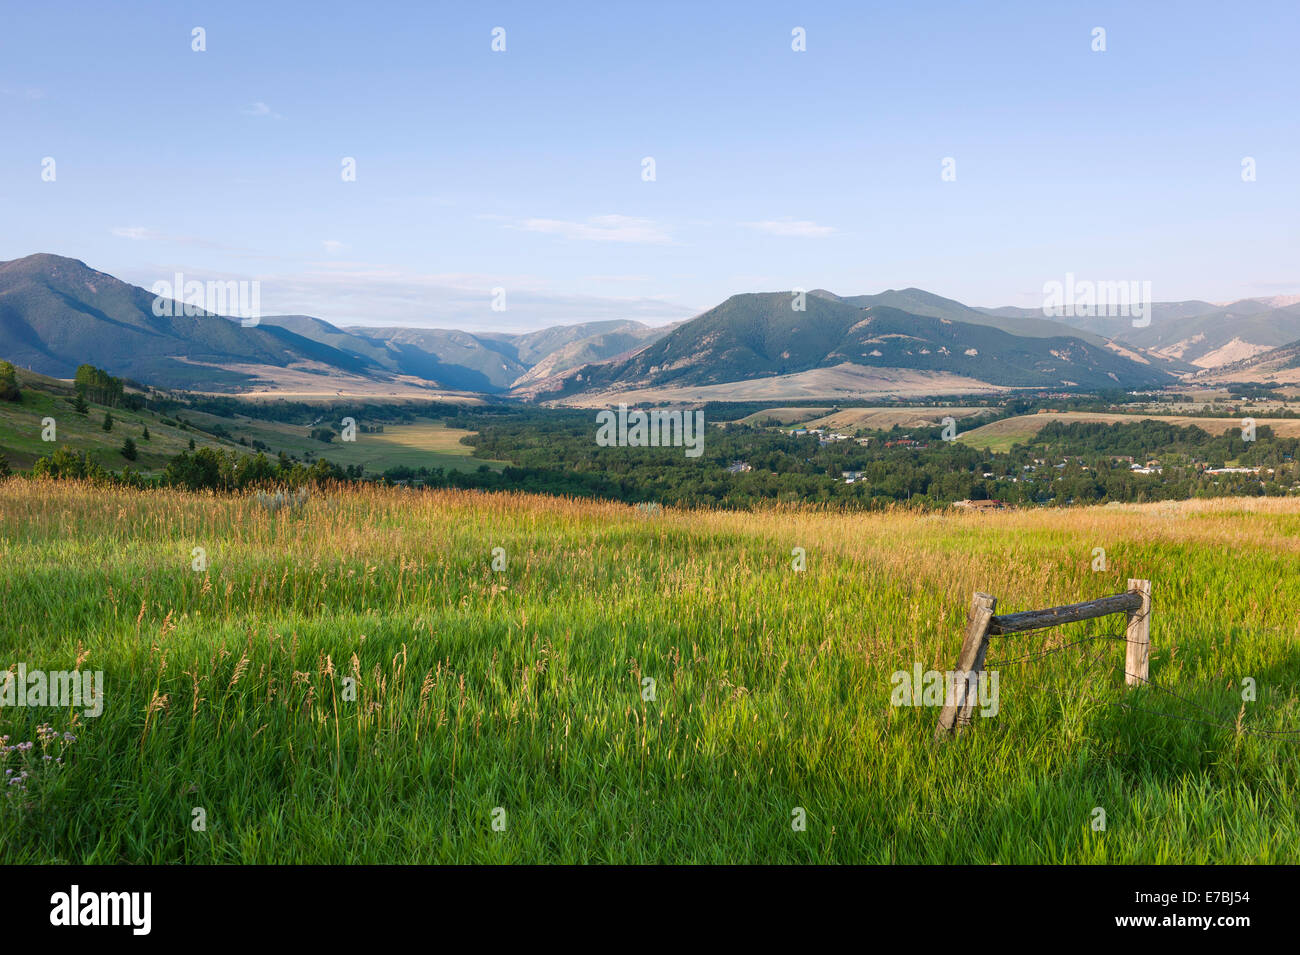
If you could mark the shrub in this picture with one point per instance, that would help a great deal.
(9, 383)
(68, 464)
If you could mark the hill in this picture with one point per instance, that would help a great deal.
(56, 313)
(417, 442)
(1192, 335)
(1277, 366)
(1222, 336)
(755, 336)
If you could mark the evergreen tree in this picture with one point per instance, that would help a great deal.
(128, 449)
(79, 404)
(108, 421)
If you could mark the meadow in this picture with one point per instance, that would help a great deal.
(505, 715)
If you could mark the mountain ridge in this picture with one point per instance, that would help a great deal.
(755, 335)
(56, 312)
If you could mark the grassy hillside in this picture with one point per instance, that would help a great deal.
(423, 443)
(42, 397)
(521, 696)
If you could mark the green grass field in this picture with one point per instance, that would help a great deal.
(423, 443)
(518, 697)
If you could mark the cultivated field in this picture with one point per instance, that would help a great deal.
(520, 697)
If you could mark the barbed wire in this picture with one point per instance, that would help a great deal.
(1046, 653)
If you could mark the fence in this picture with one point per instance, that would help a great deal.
(983, 624)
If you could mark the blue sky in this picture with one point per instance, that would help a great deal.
(774, 168)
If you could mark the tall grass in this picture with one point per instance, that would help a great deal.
(524, 691)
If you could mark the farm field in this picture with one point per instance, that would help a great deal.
(1002, 435)
(520, 697)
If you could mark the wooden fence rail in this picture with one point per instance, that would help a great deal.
(982, 623)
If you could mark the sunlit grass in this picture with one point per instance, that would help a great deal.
(524, 690)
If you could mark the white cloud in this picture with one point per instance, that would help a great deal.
(347, 292)
(138, 233)
(792, 228)
(260, 109)
(610, 228)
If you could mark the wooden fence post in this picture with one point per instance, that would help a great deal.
(973, 647)
(1138, 636)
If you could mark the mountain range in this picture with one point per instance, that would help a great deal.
(1276, 367)
(57, 312)
(1197, 335)
(759, 335)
